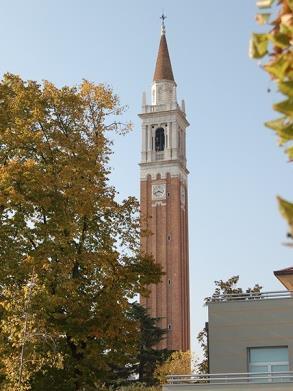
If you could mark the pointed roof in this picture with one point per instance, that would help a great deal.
(284, 272)
(163, 69)
(285, 276)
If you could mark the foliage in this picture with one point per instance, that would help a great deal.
(179, 363)
(202, 337)
(142, 363)
(230, 287)
(149, 337)
(222, 288)
(276, 46)
(69, 252)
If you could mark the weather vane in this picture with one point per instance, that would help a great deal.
(163, 17)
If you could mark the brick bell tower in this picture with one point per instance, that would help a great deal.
(164, 201)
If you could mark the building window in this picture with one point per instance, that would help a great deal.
(169, 326)
(267, 360)
(169, 281)
(160, 140)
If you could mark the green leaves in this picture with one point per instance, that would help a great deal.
(281, 40)
(286, 209)
(282, 129)
(258, 47)
(277, 43)
(278, 67)
(289, 152)
(286, 88)
(285, 107)
(148, 355)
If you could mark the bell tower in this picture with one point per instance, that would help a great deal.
(164, 201)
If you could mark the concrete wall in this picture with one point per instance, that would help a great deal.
(237, 325)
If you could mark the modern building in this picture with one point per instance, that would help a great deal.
(164, 201)
(250, 342)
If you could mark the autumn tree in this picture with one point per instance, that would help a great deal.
(179, 363)
(275, 47)
(228, 287)
(69, 252)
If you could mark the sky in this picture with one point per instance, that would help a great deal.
(236, 168)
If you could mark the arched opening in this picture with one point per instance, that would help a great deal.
(160, 139)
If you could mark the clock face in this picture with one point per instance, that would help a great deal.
(159, 192)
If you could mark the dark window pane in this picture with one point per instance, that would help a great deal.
(160, 139)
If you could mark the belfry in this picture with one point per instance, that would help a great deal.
(164, 201)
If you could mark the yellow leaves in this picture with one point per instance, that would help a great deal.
(258, 45)
(279, 66)
(280, 38)
(179, 363)
(59, 218)
(264, 3)
(99, 95)
(286, 88)
(283, 129)
(29, 164)
(287, 21)
(28, 342)
(262, 18)
(285, 107)
(289, 152)
(278, 44)
(286, 209)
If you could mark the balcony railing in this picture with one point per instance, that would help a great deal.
(231, 378)
(162, 107)
(250, 296)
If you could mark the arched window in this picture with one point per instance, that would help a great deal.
(160, 139)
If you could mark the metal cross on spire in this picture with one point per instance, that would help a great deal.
(163, 27)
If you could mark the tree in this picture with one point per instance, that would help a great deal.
(142, 363)
(69, 252)
(202, 337)
(179, 363)
(150, 335)
(222, 288)
(276, 46)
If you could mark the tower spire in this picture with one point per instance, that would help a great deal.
(163, 70)
(163, 27)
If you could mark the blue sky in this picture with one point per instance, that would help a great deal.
(236, 168)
